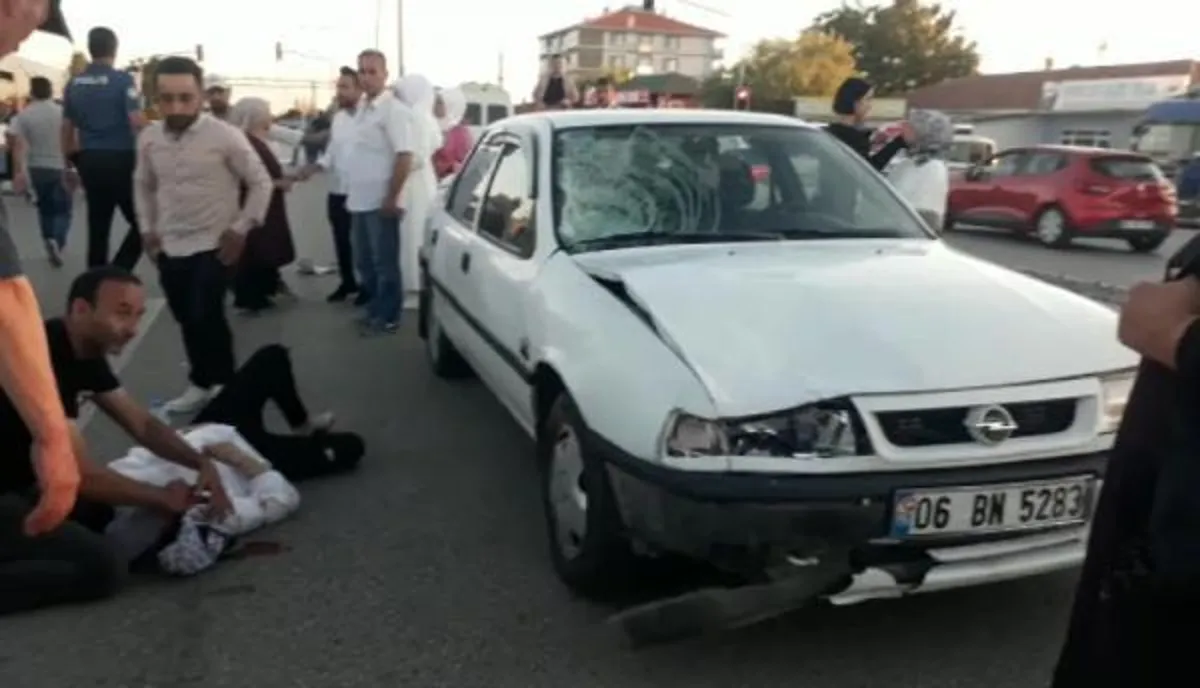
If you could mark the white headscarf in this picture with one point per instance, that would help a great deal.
(455, 102)
(418, 93)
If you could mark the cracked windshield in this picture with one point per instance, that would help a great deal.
(532, 344)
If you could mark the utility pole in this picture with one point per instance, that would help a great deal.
(378, 24)
(399, 37)
(500, 70)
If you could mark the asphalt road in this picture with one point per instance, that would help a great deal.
(428, 568)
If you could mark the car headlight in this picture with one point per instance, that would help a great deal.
(817, 431)
(1114, 395)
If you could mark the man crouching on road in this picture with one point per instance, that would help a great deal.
(75, 562)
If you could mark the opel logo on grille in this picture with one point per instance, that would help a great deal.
(990, 425)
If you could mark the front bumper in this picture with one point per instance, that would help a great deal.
(776, 525)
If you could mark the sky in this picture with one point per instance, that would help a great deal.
(452, 41)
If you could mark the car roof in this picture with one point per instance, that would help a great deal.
(570, 119)
(1088, 151)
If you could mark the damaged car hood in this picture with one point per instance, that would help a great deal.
(773, 325)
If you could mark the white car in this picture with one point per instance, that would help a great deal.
(733, 341)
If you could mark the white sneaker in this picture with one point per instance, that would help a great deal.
(190, 401)
(321, 422)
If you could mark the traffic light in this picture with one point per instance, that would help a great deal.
(741, 98)
(199, 53)
(278, 51)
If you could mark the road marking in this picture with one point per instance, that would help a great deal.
(154, 308)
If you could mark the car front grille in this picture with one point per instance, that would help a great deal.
(941, 426)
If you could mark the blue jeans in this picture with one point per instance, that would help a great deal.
(376, 248)
(54, 203)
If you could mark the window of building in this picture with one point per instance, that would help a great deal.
(1090, 138)
(616, 38)
(670, 65)
(671, 42)
(616, 61)
(645, 63)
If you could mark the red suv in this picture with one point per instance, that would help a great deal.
(1058, 193)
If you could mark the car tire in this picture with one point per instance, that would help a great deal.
(1146, 244)
(1051, 228)
(948, 223)
(588, 546)
(444, 359)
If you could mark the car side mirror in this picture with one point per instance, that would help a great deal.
(974, 173)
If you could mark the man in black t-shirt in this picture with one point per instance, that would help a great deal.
(74, 563)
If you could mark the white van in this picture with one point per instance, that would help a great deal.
(486, 103)
(968, 150)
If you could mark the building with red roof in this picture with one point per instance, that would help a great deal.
(634, 38)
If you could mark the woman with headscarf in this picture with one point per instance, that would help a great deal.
(416, 199)
(852, 105)
(450, 108)
(268, 246)
(922, 177)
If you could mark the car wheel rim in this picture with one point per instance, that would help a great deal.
(1050, 226)
(568, 499)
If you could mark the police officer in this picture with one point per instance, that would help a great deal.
(101, 118)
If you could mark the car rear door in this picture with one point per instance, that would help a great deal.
(1033, 187)
(500, 270)
(449, 244)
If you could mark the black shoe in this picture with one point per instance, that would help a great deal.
(341, 294)
(362, 299)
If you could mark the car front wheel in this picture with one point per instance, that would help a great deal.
(588, 546)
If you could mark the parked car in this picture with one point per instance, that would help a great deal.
(764, 380)
(1060, 193)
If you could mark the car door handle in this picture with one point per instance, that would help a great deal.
(465, 262)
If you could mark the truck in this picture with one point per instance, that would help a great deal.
(1168, 132)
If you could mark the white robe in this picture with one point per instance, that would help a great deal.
(257, 502)
(420, 188)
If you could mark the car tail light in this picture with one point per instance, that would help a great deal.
(760, 172)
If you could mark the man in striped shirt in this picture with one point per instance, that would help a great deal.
(191, 168)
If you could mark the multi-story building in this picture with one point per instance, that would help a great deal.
(637, 39)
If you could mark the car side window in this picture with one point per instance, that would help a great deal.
(1044, 163)
(467, 193)
(1007, 164)
(507, 212)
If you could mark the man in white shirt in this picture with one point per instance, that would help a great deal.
(335, 161)
(378, 165)
(191, 170)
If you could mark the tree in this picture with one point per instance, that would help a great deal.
(78, 63)
(811, 64)
(904, 45)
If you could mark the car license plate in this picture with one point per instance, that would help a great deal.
(1137, 224)
(992, 508)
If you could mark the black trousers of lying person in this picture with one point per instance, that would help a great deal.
(267, 376)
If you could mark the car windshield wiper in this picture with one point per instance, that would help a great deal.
(657, 238)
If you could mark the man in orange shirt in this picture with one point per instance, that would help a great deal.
(25, 373)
